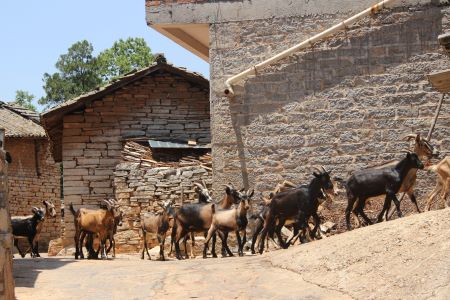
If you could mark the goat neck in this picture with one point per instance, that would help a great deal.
(403, 167)
(315, 190)
(227, 201)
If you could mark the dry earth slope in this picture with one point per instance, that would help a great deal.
(408, 258)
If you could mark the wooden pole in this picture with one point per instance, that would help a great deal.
(430, 133)
(436, 115)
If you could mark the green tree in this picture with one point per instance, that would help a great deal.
(24, 99)
(78, 73)
(123, 57)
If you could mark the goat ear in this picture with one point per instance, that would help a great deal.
(418, 138)
(271, 195)
(34, 209)
(251, 194)
(8, 158)
(228, 190)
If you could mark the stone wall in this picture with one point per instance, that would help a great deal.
(140, 189)
(6, 276)
(33, 178)
(345, 103)
(160, 106)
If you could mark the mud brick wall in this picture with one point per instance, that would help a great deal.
(344, 104)
(160, 106)
(6, 244)
(140, 189)
(33, 178)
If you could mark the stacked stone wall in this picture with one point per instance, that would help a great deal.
(161, 106)
(34, 177)
(140, 189)
(345, 103)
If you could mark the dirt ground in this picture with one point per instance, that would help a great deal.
(407, 258)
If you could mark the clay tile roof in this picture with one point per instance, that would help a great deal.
(20, 122)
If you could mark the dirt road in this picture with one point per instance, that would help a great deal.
(407, 258)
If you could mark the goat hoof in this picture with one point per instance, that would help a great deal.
(214, 255)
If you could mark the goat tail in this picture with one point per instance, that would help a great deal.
(72, 210)
(213, 208)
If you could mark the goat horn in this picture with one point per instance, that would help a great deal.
(198, 185)
(324, 170)
(204, 183)
(406, 151)
(108, 204)
(228, 186)
(317, 169)
(410, 136)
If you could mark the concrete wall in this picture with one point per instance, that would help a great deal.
(160, 106)
(34, 177)
(6, 276)
(345, 104)
(201, 11)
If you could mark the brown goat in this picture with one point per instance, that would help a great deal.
(158, 224)
(197, 217)
(442, 169)
(233, 219)
(96, 221)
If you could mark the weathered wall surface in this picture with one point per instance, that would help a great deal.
(6, 276)
(139, 190)
(33, 178)
(344, 104)
(159, 107)
(203, 11)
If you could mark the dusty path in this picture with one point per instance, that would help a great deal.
(407, 258)
(125, 278)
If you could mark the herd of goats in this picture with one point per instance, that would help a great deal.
(287, 205)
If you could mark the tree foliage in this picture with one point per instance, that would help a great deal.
(79, 71)
(24, 99)
(123, 57)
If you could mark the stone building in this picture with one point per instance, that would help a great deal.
(344, 103)
(33, 175)
(88, 133)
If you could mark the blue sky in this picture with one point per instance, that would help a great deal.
(35, 33)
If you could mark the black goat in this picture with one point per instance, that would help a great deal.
(368, 183)
(27, 227)
(298, 204)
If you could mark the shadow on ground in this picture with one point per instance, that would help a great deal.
(26, 270)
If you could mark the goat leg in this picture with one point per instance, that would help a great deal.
(386, 207)
(360, 211)
(16, 243)
(161, 239)
(397, 204)
(213, 246)
(316, 232)
(348, 210)
(224, 237)
(414, 200)
(211, 231)
(238, 237)
(259, 227)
